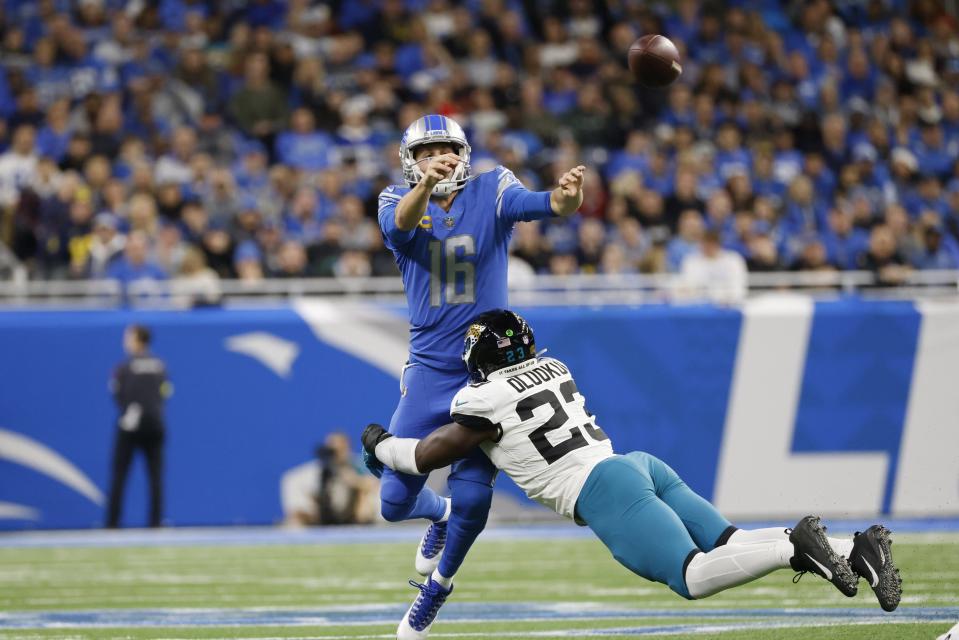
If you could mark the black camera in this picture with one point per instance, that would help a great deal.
(325, 454)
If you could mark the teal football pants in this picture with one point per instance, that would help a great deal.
(648, 518)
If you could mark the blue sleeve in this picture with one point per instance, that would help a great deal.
(516, 203)
(386, 212)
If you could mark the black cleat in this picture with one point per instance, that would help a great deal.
(871, 559)
(814, 554)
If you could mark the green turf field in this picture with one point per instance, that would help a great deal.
(546, 588)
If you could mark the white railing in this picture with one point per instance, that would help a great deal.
(544, 289)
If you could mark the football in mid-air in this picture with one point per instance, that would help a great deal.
(654, 61)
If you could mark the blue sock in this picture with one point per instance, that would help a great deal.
(404, 497)
(429, 505)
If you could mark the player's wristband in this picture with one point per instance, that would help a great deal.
(399, 454)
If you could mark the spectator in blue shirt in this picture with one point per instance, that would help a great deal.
(860, 79)
(303, 147)
(687, 241)
(303, 219)
(844, 243)
(680, 111)
(51, 80)
(54, 136)
(632, 157)
(804, 211)
(927, 197)
(936, 250)
(135, 265)
(931, 150)
(684, 24)
(730, 157)
(950, 119)
(764, 181)
(834, 143)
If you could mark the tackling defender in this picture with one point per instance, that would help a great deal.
(527, 415)
(449, 233)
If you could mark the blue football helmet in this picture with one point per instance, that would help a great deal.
(435, 128)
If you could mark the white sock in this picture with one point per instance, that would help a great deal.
(752, 536)
(449, 509)
(441, 580)
(734, 564)
(842, 546)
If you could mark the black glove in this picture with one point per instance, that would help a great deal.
(372, 436)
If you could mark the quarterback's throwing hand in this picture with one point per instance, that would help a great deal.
(440, 168)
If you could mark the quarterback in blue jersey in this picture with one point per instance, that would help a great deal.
(450, 232)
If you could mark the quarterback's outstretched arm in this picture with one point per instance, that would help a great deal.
(420, 456)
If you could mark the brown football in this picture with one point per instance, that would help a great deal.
(654, 61)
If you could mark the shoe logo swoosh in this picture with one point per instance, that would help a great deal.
(825, 570)
(875, 576)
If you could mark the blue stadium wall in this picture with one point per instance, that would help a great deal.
(778, 408)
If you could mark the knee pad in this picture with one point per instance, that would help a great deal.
(396, 511)
(396, 499)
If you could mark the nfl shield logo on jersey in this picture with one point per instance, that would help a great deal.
(449, 222)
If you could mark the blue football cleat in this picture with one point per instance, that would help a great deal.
(419, 618)
(430, 550)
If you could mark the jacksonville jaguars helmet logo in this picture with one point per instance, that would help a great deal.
(472, 337)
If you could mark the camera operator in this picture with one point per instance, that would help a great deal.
(345, 492)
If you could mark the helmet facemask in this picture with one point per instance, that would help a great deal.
(418, 135)
(412, 172)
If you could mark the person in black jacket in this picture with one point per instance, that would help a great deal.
(140, 388)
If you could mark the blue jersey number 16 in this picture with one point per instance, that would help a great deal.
(455, 249)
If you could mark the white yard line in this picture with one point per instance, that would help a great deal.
(652, 631)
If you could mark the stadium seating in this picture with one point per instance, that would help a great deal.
(204, 140)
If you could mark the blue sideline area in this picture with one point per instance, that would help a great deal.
(658, 378)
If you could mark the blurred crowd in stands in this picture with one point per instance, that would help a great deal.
(204, 140)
